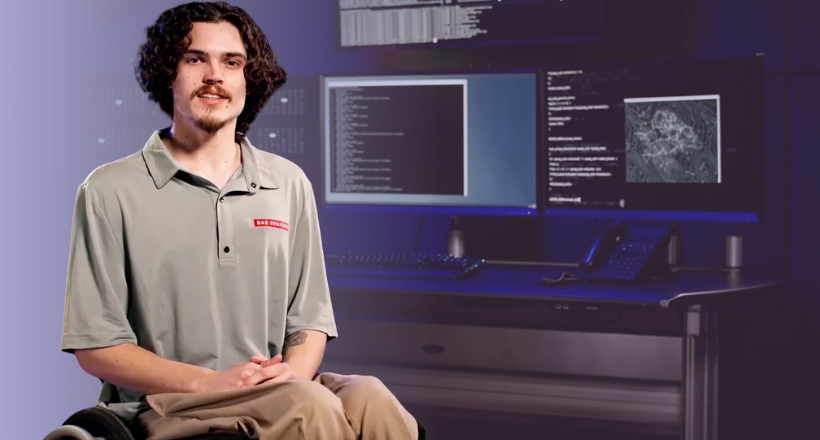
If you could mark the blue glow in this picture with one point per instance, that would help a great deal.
(446, 210)
(746, 217)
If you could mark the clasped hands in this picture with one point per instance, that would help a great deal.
(260, 370)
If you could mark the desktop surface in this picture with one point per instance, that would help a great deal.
(522, 281)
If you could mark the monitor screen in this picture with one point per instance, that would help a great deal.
(363, 23)
(442, 143)
(678, 140)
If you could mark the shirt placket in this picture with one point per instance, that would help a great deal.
(224, 228)
(225, 201)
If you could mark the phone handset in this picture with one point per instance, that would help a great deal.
(622, 254)
(603, 246)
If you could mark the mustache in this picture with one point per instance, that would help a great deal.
(211, 90)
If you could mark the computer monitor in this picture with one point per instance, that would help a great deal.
(454, 143)
(676, 140)
(448, 23)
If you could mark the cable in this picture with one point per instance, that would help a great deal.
(565, 278)
(418, 234)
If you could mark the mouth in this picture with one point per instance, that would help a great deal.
(212, 99)
(211, 96)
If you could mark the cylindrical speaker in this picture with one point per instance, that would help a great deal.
(455, 243)
(674, 250)
(734, 251)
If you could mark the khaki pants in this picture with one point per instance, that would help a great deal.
(331, 407)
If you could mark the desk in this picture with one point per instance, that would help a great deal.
(642, 356)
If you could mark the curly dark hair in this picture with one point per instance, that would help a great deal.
(167, 40)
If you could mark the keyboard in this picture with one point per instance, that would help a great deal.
(410, 266)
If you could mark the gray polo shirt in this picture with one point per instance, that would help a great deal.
(163, 259)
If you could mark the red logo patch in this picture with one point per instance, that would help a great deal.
(268, 223)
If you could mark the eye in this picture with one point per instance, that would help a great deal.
(193, 59)
(234, 63)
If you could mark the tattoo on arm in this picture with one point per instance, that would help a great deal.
(295, 339)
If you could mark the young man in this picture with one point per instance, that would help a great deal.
(196, 255)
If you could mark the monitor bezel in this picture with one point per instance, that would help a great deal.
(477, 210)
(753, 216)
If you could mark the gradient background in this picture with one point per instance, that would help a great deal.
(52, 47)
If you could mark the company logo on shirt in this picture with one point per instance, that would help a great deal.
(268, 223)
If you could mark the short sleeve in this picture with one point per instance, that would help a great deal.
(96, 297)
(309, 307)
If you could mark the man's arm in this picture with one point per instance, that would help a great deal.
(310, 322)
(303, 352)
(137, 369)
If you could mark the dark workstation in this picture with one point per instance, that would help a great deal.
(541, 219)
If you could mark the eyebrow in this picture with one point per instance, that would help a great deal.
(226, 54)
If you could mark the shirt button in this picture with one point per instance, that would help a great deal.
(222, 200)
(226, 249)
(253, 185)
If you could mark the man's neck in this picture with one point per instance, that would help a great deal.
(204, 153)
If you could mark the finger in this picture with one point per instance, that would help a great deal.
(265, 374)
(272, 361)
(249, 372)
(258, 358)
(278, 379)
(285, 374)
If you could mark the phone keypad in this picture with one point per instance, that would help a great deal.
(627, 259)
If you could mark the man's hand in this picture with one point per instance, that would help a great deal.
(231, 379)
(265, 362)
(271, 371)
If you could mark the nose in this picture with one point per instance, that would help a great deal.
(213, 74)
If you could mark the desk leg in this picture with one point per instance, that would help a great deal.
(700, 371)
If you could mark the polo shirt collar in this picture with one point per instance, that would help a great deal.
(257, 176)
(163, 167)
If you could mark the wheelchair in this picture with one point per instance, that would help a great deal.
(100, 423)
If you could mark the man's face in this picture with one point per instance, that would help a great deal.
(209, 89)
